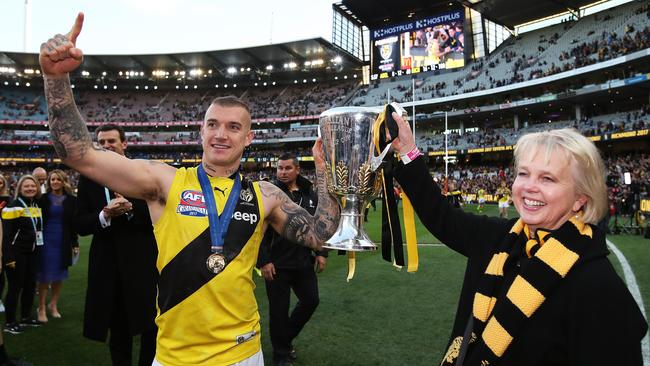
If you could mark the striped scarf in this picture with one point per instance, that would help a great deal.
(499, 319)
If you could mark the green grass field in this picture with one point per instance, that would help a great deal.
(384, 316)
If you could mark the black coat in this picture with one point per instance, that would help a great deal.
(70, 238)
(281, 251)
(19, 235)
(122, 256)
(590, 319)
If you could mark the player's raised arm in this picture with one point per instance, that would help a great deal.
(73, 144)
(294, 222)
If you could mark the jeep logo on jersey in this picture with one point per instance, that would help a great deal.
(192, 204)
(245, 216)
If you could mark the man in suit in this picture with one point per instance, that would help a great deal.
(122, 275)
(286, 266)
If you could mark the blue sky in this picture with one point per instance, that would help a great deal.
(166, 26)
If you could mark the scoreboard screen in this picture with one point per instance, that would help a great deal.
(431, 43)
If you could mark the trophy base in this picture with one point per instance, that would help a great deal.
(350, 236)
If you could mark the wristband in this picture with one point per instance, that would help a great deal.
(410, 156)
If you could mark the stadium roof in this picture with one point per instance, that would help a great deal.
(257, 58)
(509, 13)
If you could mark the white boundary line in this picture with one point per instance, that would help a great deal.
(633, 286)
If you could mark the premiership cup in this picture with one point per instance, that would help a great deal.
(347, 134)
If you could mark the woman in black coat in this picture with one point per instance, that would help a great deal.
(538, 290)
(61, 242)
(23, 233)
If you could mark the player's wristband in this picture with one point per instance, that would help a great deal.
(410, 156)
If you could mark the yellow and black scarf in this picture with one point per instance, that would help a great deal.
(497, 319)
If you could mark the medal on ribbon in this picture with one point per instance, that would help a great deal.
(218, 224)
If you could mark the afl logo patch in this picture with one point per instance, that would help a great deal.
(192, 204)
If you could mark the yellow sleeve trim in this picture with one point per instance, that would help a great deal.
(12, 213)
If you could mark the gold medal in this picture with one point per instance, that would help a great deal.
(216, 263)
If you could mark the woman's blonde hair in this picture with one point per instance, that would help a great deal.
(4, 191)
(64, 177)
(588, 169)
(22, 180)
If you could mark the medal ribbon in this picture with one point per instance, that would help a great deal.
(218, 226)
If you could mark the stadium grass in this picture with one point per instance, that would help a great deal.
(384, 316)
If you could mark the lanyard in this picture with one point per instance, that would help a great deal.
(218, 226)
(30, 214)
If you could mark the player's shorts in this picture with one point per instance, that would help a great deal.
(481, 200)
(504, 204)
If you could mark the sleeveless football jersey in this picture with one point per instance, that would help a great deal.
(203, 318)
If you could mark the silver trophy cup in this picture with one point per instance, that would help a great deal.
(347, 134)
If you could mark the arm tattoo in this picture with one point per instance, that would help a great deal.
(297, 224)
(69, 133)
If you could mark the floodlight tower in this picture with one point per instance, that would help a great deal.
(27, 32)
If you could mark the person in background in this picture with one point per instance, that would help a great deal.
(538, 290)
(4, 357)
(286, 266)
(61, 242)
(41, 175)
(4, 200)
(122, 275)
(503, 196)
(23, 233)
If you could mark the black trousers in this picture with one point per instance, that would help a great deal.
(21, 284)
(285, 327)
(120, 341)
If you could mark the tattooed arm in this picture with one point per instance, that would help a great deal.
(294, 222)
(134, 178)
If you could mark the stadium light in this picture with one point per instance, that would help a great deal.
(29, 71)
(195, 87)
(273, 83)
(195, 72)
(71, 86)
(304, 81)
(114, 87)
(225, 85)
(313, 80)
(7, 70)
(85, 73)
(120, 73)
(264, 83)
(177, 87)
(146, 87)
(155, 87)
(337, 60)
(295, 81)
(336, 78)
(28, 84)
(105, 87)
(232, 70)
(103, 73)
(6, 83)
(269, 67)
(137, 87)
(186, 86)
(307, 63)
(234, 85)
(95, 86)
(255, 84)
(216, 86)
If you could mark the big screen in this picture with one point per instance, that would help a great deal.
(431, 43)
